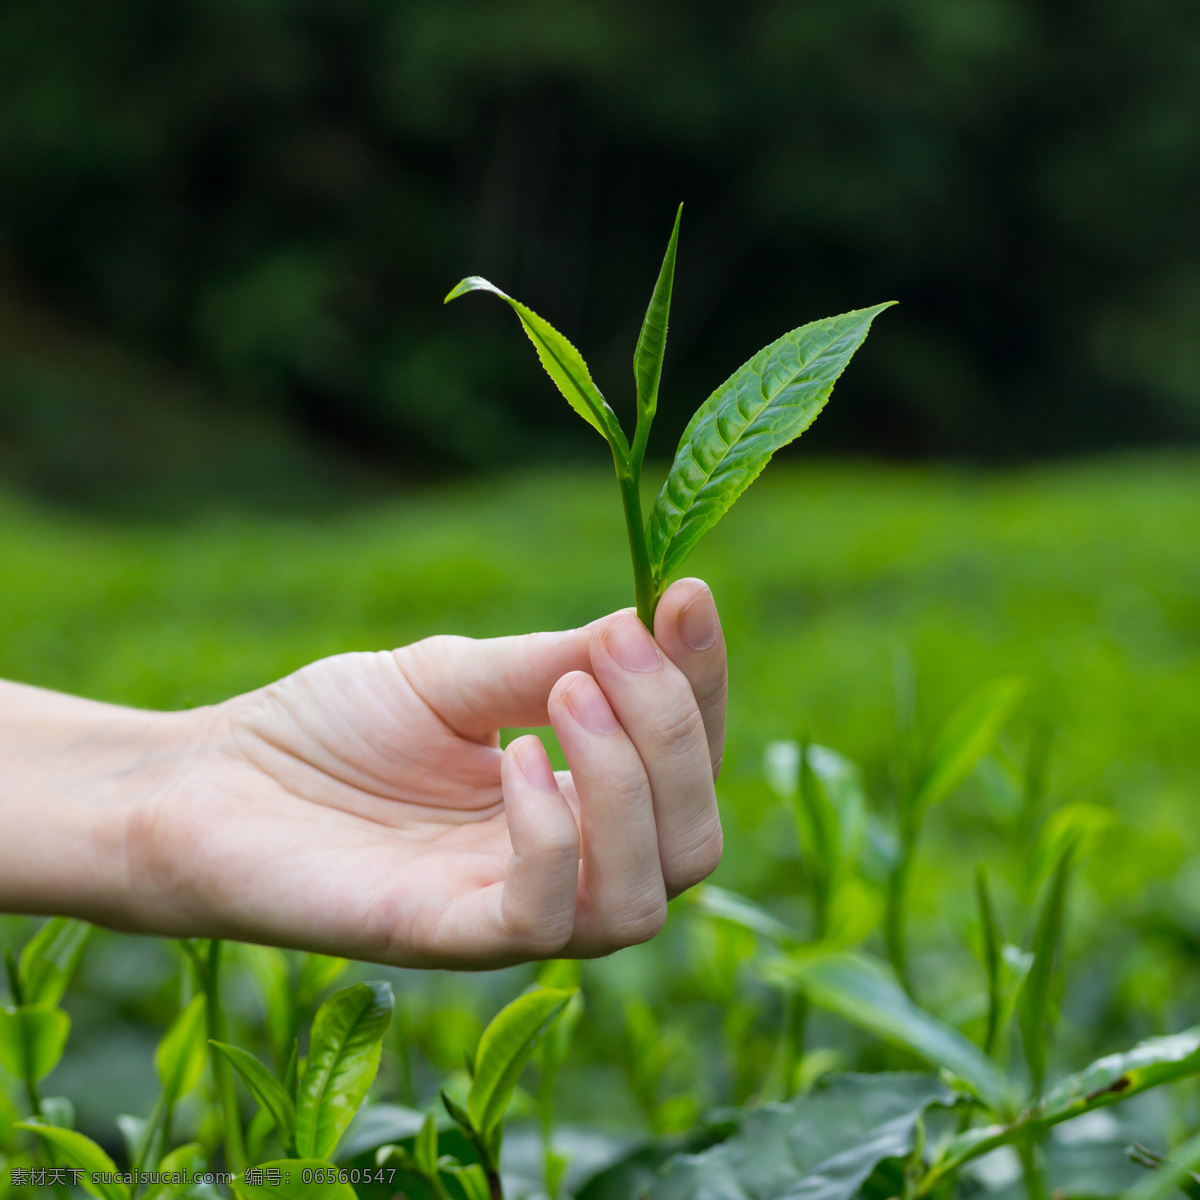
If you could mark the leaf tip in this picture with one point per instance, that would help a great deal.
(472, 283)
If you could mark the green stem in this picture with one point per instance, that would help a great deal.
(641, 435)
(18, 999)
(914, 1168)
(896, 915)
(148, 1134)
(439, 1188)
(1034, 1184)
(155, 1138)
(41, 1155)
(31, 1088)
(645, 589)
(14, 977)
(545, 1106)
(793, 1054)
(235, 1143)
(31, 1094)
(408, 1087)
(489, 1159)
(494, 1185)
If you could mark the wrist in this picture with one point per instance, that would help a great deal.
(76, 773)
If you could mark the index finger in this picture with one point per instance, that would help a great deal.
(688, 630)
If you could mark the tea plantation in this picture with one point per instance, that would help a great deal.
(862, 605)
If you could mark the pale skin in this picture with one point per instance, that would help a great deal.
(363, 807)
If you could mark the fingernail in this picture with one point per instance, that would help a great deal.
(531, 758)
(589, 707)
(698, 621)
(631, 646)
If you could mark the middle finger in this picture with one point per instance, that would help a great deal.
(654, 703)
(623, 899)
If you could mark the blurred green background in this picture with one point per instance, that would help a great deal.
(844, 591)
(238, 431)
(226, 227)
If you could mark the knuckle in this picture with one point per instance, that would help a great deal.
(698, 862)
(538, 936)
(713, 692)
(629, 923)
(680, 729)
(629, 787)
(636, 920)
(644, 922)
(432, 651)
(559, 847)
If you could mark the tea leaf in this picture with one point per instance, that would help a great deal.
(397, 1156)
(261, 1126)
(555, 1047)
(555, 1167)
(73, 1149)
(764, 405)
(291, 1072)
(58, 1110)
(292, 1185)
(187, 1160)
(375, 1124)
(471, 1179)
(724, 905)
(563, 363)
(841, 781)
(269, 967)
(265, 1088)
(652, 341)
(1108, 1080)
(32, 1039)
(318, 972)
(189, 1157)
(133, 1132)
(993, 944)
(824, 1144)
(1034, 1009)
(50, 957)
(457, 1113)
(863, 992)
(180, 1057)
(425, 1148)
(561, 973)
(1152, 1062)
(504, 1049)
(1081, 824)
(965, 739)
(819, 837)
(343, 1058)
(13, 973)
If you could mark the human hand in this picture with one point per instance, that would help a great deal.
(362, 806)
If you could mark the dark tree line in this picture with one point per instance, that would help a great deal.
(226, 225)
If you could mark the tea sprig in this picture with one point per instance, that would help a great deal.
(765, 404)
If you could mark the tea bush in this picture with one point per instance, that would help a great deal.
(933, 673)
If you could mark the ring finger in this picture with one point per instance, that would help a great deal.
(622, 895)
